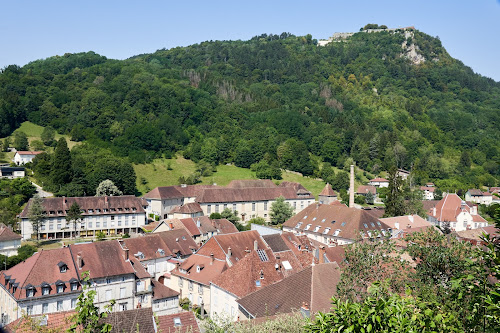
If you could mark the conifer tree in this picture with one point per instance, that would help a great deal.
(36, 214)
(61, 172)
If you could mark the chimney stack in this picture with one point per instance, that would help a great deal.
(229, 253)
(247, 250)
(171, 226)
(434, 211)
(351, 188)
(125, 253)
(321, 254)
(79, 261)
(255, 245)
(211, 258)
(262, 274)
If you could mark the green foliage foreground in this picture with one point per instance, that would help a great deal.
(393, 313)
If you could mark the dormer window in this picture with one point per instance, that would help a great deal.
(63, 268)
(316, 229)
(323, 220)
(327, 230)
(308, 226)
(298, 225)
(161, 252)
(59, 286)
(343, 224)
(74, 286)
(45, 289)
(177, 322)
(97, 210)
(314, 219)
(366, 225)
(373, 224)
(30, 292)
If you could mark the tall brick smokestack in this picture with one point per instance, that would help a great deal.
(351, 188)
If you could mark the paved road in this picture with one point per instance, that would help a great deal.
(42, 193)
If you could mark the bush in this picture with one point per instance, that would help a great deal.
(360, 199)
(100, 235)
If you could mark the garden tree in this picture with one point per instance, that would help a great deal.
(23, 253)
(370, 261)
(6, 144)
(327, 173)
(360, 199)
(36, 214)
(88, 318)
(119, 171)
(257, 220)
(370, 198)
(21, 141)
(48, 136)
(205, 169)
(107, 188)
(74, 216)
(438, 194)
(341, 181)
(230, 215)
(394, 202)
(440, 261)
(280, 211)
(215, 216)
(383, 312)
(61, 171)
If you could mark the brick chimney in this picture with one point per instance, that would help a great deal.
(211, 258)
(125, 253)
(434, 211)
(79, 261)
(229, 253)
(171, 225)
(255, 245)
(351, 188)
(322, 254)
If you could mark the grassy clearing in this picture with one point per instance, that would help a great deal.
(157, 174)
(34, 132)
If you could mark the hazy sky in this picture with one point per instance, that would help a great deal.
(32, 30)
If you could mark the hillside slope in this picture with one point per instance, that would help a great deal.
(274, 98)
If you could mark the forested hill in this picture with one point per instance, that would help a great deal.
(273, 98)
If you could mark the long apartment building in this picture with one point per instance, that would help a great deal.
(111, 215)
(250, 198)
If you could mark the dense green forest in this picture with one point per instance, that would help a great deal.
(276, 99)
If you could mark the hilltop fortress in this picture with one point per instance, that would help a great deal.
(338, 36)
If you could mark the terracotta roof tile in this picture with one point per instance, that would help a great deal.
(209, 270)
(224, 226)
(336, 220)
(475, 192)
(314, 285)
(29, 152)
(406, 222)
(276, 242)
(56, 322)
(363, 189)
(189, 208)
(166, 324)
(247, 183)
(379, 180)
(164, 192)
(101, 259)
(221, 195)
(161, 291)
(132, 321)
(328, 191)
(178, 240)
(6, 234)
(125, 204)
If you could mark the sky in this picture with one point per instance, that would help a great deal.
(32, 30)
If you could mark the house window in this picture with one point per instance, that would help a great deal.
(112, 217)
(59, 226)
(123, 306)
(180, 282)
(108, 281)
(209, 209)
(45, 290)
(105, 224)
(98, 225)
(225, 206)
(73, 302)
(200, 289)
(29, 310)
(51, 226)
(63, 269)
(253, 206)
(108, 295)
(45, 307)
(30, 292)
(60, 288)
(216, 208)
(265, 205)
(234, 207)
(143, 299)
(190, 286)
(90, 224)
(123, 292)
(177, 321)
(59, 305)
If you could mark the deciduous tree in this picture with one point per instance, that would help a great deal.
(280, 211)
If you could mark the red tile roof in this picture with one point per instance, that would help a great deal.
(178, 241)
(56, 322)
(314, 285)
(150, 245)
(448, 208)
(101, 259)
(209, 269)
(189, 208)
(124, 204)
(161, 291)
(238, 242)
(29, 152)
(475, 192)
(328, 191)
(41, 269)
(221, 195)
(363, 189)
(224, 226)
(132, 321)
(406, 222)
(248, 183)
(164, 192)
(427, 188)
(6, 234)
(166, 324)
(348, 221)
(379, 180)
